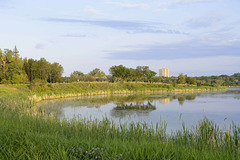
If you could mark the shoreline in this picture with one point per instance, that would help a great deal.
(24, 127)
(46, 97)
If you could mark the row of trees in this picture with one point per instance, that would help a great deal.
(15, 70)
(43, 70)
(122, 73)
(118, 73)
(224, 80)
(94, 75)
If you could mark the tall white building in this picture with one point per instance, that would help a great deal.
(164, 72)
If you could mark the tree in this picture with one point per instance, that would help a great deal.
(88, 78)
(181, 79)
(43, 70)
(140, 72)
(11, 64)
(14, 69)
(97, 73)
(76, 76)
(119, 72)
(2, 65)
(55, 73)
(191, 80)
(19, 78)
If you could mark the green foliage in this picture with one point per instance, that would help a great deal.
(141, 73)
(76, 76)
(97, 73)
(15, 70)
(55, 73)
(27, 133)
(4, 81)
(38, 85)
(11, 66)
(191, 80)
(222, 80)
(119, 73)
(19, 79)
(181, 79)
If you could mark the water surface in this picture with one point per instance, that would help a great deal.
(223, 107)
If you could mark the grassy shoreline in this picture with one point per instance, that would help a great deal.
(64, 90)
(26, 133)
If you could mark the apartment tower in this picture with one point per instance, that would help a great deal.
(164, 72)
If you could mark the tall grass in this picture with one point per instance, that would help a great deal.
(62, 90)
(31, 137)
(26, 133)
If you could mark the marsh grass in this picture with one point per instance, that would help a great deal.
(27, 133)
(63, 90)
(30, 137)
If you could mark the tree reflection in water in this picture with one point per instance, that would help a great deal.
(140, 104)
(135, 106)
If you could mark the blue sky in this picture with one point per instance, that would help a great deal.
(194, 37)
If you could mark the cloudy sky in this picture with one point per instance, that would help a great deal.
(194, 37)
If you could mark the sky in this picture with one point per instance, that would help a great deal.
(193, 37)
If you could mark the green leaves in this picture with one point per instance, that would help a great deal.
(141, 73)
(181, 79)
(15, 70)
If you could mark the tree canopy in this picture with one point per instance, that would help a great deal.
(15, 70)
(122, 73)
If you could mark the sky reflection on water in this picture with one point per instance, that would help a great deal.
(223, 107)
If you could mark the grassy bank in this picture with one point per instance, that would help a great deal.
(61, 90)
(26, 133)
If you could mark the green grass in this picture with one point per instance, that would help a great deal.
(26, 133)
(61, 90)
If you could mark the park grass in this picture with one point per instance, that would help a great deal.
(27, 133)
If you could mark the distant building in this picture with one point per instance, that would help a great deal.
(164, 72)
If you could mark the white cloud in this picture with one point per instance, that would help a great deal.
(179, 2)
(91, 9)
(131, 5)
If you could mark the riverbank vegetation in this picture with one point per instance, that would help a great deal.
(41, 90)
(28, 133)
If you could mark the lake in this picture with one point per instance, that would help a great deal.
(223, 107)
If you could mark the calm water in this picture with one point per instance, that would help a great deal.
(223, 107)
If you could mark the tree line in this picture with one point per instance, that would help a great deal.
(117, 74)
(16, 70)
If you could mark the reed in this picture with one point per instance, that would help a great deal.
(63, 90)
(26, 132)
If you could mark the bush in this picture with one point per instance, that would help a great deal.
(38, 85)
(4, 81)
(19, 79)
